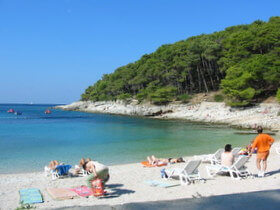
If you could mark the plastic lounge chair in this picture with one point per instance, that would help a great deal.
(277, 149)
(187, 174)
(60, 170)
(212, 158)
(236, 171)
(235, 151)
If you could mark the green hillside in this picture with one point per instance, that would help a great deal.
(242, 61)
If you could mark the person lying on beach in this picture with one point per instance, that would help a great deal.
(96, 170)
(227, 157)
(248, 149)
(52, 165)
(160, 161)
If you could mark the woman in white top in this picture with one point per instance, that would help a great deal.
(96, 169)
(227, 157)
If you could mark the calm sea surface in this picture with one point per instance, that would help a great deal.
(29, 141)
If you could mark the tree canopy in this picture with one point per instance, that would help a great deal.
(242, 61)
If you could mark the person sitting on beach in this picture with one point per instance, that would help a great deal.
(227, 156)
(160, 161)
(96, 170)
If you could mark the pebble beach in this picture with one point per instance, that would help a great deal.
(128, 183)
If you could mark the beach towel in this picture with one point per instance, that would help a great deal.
(61, 193)
(156, 183)
(30, 196)
(63, 169)
(147, 164)
(83, 191)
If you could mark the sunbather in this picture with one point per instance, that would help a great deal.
(248, 149)
(159, 161)
(52, 165)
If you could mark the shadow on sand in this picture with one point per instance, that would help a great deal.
(268, 200)
(114, 191)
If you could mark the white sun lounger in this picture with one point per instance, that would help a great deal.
(235, 151)
(236, 171)
(187, 174)
(212, 158)
(277, 149)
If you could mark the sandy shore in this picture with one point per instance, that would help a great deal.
(127, 184)
(265, 114)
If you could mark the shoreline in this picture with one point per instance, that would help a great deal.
(264, 114)
(127, 185)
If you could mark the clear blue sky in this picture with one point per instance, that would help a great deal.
(51, 50)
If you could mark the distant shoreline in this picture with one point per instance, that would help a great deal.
(264, 114)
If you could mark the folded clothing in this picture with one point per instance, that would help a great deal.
(30, 195)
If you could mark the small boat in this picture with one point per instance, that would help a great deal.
(18, 113)
(48, 111)
(11, 111)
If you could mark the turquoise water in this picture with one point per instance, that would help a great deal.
(29, 141)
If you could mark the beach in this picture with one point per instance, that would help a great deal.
(127, 184)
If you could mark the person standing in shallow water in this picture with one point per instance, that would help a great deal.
(263, 143)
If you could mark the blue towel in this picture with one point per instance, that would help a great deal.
(63, 169)
(30, 195)
(155, 183)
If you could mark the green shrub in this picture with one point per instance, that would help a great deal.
(185, 98)
(218, 98)
(238, 103)
(278, 95)
(124, 96)
(25, 206)
(143, 94)
(163, 95)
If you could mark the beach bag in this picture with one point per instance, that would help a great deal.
(163, 173)
(97, 187)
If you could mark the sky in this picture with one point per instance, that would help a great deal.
(52, 50)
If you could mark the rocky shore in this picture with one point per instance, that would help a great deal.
(265, 114)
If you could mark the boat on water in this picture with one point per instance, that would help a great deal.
(11, 111)
(18, 113)
(48, 111)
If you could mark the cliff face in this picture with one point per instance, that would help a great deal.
(265, 114)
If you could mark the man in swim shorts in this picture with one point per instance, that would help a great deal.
(263, 143)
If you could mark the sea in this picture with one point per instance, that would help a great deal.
(29, 141)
